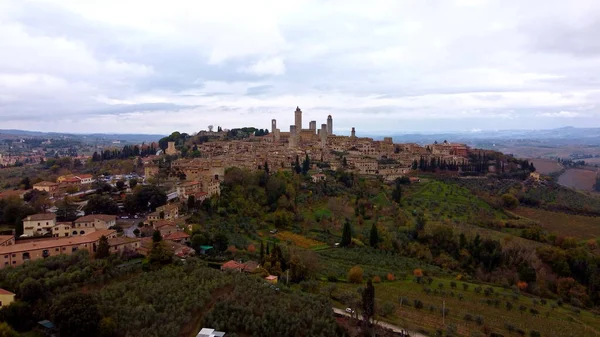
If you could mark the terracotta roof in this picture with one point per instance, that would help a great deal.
(45, 183)
(121, 240)
(71, 180)
(4, 238)
(231, 265)
(93, 217)
(85, 176)
(41, 217)
(249, 266)
(5, 292)
(161, 223)
(176, 236)
(56, 242)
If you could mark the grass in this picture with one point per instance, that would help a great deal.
(299, 240)
(577, 226)
(561, 321)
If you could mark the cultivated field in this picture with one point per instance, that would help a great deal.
(577, 226)
(578, 178)
(546, 166)
(472, 312)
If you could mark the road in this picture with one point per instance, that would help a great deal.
(383, 324)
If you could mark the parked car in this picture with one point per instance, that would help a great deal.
(274, 231)
(349, 310)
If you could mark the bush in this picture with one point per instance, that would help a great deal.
(376, 279)
(418, 304)
(355, 275)
(453, 285)
(332, 278)
(534, 333)
(390, 277)
(465, 286)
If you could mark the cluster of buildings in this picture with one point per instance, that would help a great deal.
(279, 149)
(45, 224)
(65, 183)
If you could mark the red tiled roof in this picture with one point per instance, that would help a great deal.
(5, 292)
(176, 236)
(41, 217)
(231, 265)
(93, 217)
(56, 242)
(45, 183)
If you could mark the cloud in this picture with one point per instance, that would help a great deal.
(385, 66)
(561, 114)
(270, 66)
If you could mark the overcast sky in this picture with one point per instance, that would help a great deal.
(381, 66)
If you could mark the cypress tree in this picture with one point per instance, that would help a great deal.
(374, 237)
(305, 165)
(297, 167)
(346, 234)
(262, 252)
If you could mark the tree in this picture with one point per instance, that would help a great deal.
(510, 201)
(368, 304)
(160, 253)
(297, 166)
(397, 192)
(221, 241)
(120, 184)
(346, 234)
(76, 314)
(355, 275)
(156, 236)
(133, 183)
(103, 249)
(66, 210)
(191, 202)
(266, 167)
(305, 165)
(101, 204)
(31, 290)
(7, 331)
(136, 232)
(374, 236)
(25, 183)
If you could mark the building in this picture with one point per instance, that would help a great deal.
(19, 253)
(39, 224)
(205, 332)
(93, 222)
(271, 279)
(7, 240)
(188, 188)
(318, 177)
(6, 298)
(171, 211)
(171, 150)
(178, 236)
(47, 186)
(247, 267)
(123, 244)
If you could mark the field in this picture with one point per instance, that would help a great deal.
(549, 319)
(578, 226)
(578, 179)
(546, 166)
(299, 240)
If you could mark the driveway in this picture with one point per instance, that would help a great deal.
(383, 324)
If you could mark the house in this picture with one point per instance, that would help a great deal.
(171, 211)
(7, 240)
(19, 253)
(535, 176)
(6, 298)
(47, 186)
(205, 332)
(188, 188)
(167, 230)
(247, 267)
(62, 229)
(39, 224)
(93, 222)
(123, 244)
(200, 196)
(318, 177)
(271, 279)
(85, 179)
(179, 237)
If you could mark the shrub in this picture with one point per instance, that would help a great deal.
(355, 275)
(390, 277)
(479, 320)
(453, 285)
(418, 304)
(332, 278)
(534, 333)
(465, 286)
(376, 279)
(478, 289)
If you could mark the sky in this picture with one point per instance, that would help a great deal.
(382, 66)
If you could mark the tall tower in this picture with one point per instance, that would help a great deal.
(273, 125)
(353, 133)
(298, 115)
(323, 135)
(329, 125)
(312, 125)
(293, 139)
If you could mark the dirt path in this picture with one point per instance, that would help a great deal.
(383, 324)
(193, 326)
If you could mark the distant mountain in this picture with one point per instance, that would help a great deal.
(93, 137)
(564, 135)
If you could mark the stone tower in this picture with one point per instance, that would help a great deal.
(312, 125)
(329, 125)
(353, 133)
(171, 149)
(293, 139)
(323, 135)
(298, 123)
(273, 125)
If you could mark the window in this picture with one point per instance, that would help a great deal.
(14, 255)
(46, 223)
(6, 256)
(56, 249)
(86, 224)
(82, 232)
(74, 249)
(63, 248)
(74, 232)
(6, 263)
(26, 256)
(38, 224)
(14, 262)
